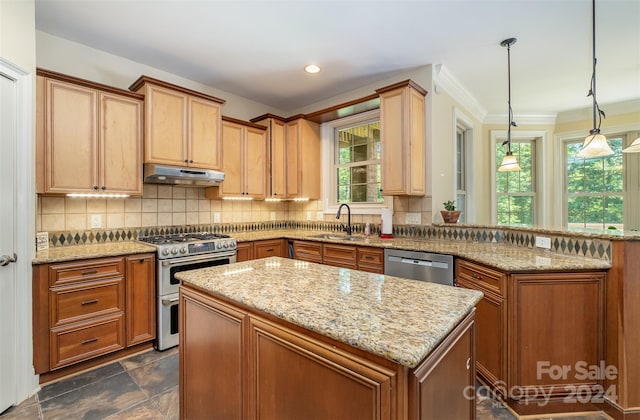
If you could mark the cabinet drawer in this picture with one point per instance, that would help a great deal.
(87, 270)
(371, 256)
(270, 248)
(340, 256)
(482, 276)
(307, 251)
(75, 343)
(77, 303)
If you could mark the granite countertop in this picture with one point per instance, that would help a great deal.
(505, 257)
(398, 319)
(78, 252)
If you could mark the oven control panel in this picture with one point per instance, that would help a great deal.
(194, 248)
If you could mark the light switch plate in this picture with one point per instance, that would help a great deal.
(216, 217)
(273, 215)
(543, 242)
(42, 241)
(96, 221)
(413, 219)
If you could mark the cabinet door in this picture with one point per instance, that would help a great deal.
(255, 153)
(70, 138)
(308, 160)
(141, 298)
(269, 248)
(212, 352)
(392, 143)
(278, 160)
(204, 134)
(445, 381)
(292, 136)
(166, 131)
(340, 256)
(244, 251)
(491, 330)
(307, 251)
(232, 159)
(120, 144)
(343, 386)
(371, 260)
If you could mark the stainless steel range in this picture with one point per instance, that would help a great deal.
(182, 252)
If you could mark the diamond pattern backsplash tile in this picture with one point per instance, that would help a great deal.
(567, 245)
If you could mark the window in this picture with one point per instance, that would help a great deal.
(516, 191)
(357, 163)
(461, 173)
(595, 187)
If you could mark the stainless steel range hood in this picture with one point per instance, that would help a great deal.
(162, 174)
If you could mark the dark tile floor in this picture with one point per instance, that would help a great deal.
(145, 386)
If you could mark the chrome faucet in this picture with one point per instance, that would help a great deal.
(348, 227)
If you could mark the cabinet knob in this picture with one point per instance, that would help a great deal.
(191, 161)
(186, 161)
(104, 188)
(95, 187)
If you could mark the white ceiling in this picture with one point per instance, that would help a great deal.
(257, 49)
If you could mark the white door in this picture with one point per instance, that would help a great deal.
(7, 242)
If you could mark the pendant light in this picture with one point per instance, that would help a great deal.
(595, 145)
(634, 148)
(509, 163)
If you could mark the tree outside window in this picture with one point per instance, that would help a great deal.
(516, 191)
(357, 164)
(595, 188)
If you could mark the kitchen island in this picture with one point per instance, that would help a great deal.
(277, 338)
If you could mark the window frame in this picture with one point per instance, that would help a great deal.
(329, 151)
(540, 214)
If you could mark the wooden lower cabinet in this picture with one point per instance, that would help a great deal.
(348, 256)
(236, 364)
(261, 249)
(307, 251)
(90, 308)
(531, 325)
(244, 251)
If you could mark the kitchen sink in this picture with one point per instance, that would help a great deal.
(339, 237)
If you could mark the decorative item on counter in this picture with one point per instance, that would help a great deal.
(386, 230)
(367, 230)
(450, 214)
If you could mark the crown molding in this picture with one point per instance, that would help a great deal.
(521, 119)
(443, 79)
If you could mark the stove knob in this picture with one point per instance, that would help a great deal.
(225, 245)
(232, 245)
(165, 251)
(219, 245)
(183, 250)
(174, 251)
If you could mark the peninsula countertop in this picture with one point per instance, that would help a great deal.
(398, 319)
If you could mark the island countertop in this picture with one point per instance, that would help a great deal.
(398, 319)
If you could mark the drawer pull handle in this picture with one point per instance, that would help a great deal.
(86, 273)
(468, 363)
(90, 301)
(368, 258)
(475, 276)
(270, 250)
(91, 340)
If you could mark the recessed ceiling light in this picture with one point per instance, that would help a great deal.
(312, 68)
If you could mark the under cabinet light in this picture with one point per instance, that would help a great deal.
(238, 198)
(97, 195)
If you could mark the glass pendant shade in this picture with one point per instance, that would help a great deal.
(509, 163)
(634, 148)
(595, 145)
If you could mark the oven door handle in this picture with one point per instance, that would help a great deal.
(169, 301)
(194, 259)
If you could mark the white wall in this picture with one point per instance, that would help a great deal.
(58, 54)
(17, 33)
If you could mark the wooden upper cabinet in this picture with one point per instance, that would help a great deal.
(402, 139)
(88, 137)
(244, 154)
(303, 159)
(182, 125)
(277, 154)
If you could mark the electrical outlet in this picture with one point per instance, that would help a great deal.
(273, 215)
(413, 219)
(309, 216)
(543, 242)
(96, 221)
(320, 215)
(216, 217)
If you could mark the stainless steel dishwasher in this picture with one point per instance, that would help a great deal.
(435, 268)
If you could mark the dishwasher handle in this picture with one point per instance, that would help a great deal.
(416, 261)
